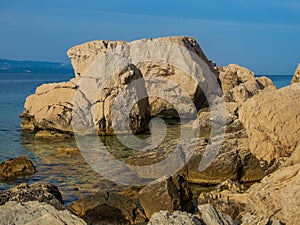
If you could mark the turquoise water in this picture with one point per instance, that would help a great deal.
(71, 174)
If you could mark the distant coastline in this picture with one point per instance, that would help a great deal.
(33, 67)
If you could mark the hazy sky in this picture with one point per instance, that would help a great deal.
(263, 35)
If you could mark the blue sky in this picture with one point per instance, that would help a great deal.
(261, 35)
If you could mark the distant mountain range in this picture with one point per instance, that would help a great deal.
(34, 67)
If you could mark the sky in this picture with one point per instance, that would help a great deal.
(260, 35)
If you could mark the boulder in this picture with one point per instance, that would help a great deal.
(272, 133)
(35, 192)
(166, 193)
(234, 161)
(52, 106)
(83, 56)
(228, 197)
(16, 167)
(36, 213)
(175, 218)
(277, 195)
(296, 77)
(211, 216)
(108, 208)
(239, 84)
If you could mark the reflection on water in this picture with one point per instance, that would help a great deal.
(57, 161)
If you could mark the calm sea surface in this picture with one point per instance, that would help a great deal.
(71, 174)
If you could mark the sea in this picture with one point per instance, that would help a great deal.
(73, 176)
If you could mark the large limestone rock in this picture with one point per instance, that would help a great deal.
(16, 167)
(82, 57)
(167, 193)
(35, 192)
(108, 208)
(36, 213)
(296, 77)
(272, 122)
(51, 107)
(277, 195)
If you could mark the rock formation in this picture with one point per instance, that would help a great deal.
(277, 195)
(34, 212)
(35, 192)
(167, 193)
(16, 167)
(168, 86)
(296, 77)
(228, 197)
(272, 122)
(108, 208)
(175, 218)
(211, 216)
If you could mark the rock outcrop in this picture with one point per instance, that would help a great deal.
(239, 84)
(296, 77)
(82, 57)
(108, 208)
(175, 218)
(35, 192)
(277, 195)
(272, 122)
(228, 197)
(211, 216)
(92, 94)
(36, 213)
(167, 193)
(249, 219)
(52, 106)
(16, 167)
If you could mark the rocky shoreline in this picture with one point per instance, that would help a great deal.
(260, 144)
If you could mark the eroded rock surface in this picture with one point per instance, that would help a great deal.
(108, 208)
(228, 197)
(272, 122)
(296, 77)
(36, 213)
(35, 192)
(167, 193)
(277, 195)
(175, 218)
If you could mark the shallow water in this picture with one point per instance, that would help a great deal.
(70, 172)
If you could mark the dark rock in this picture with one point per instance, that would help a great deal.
(16, 167)
(167, 193)
(108, 208)
(35, 192)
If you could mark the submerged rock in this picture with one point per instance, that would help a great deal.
(108, 208)
(167, 193)
(16, 167)
(36, 213)
(35, 192)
